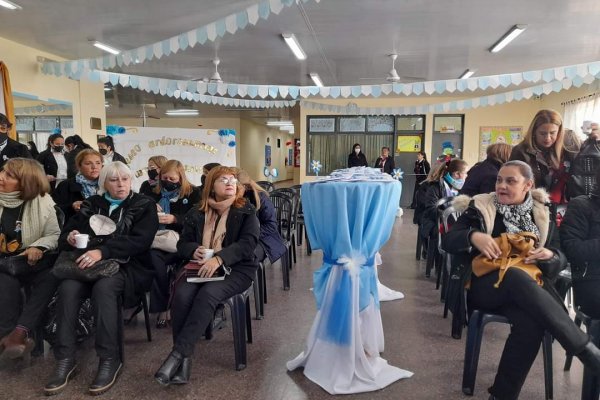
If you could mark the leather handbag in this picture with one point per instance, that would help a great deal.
(17, 265)
(66, 268)
(166, 240)
(514, 248)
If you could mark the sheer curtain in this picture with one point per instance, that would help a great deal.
(576, 112)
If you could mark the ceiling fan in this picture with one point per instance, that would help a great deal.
(393, 76)
(215, 78)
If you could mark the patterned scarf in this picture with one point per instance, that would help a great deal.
(88, 187)
(518, 218)
(165, 199)
(215, 223)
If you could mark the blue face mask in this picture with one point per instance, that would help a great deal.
(455, 183)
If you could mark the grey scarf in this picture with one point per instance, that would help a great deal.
(518, 217)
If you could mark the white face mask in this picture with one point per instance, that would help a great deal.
(357, 150)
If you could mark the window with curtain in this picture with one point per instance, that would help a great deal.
(577, 111)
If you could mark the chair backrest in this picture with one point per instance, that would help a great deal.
(60, 216)
(294, 196)
(446, 217)
(266, 185)
(283, 205)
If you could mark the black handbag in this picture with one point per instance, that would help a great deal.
(66, 268)
(17, 265)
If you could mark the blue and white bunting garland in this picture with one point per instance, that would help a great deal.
(316, 166)
(398, 174)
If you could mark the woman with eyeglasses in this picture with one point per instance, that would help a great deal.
(544, 151)
(155, 163)
(29, 228)
(174, 196)
(10, 148)
(226, 224)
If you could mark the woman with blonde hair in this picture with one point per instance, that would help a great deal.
(155, 163)
(174, 196)
(482, 177)
(544, 151)
(28, 228)
(226, 224)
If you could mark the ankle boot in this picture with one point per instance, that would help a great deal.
(182, 376)
(590, 357)
(17, 344)
(65, 369)
(106, 376)
(169, 367)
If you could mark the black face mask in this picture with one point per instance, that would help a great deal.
(58, 149)
(202, 180)
(170, 186)
(152, 174)
(103, 152)
(3, 137)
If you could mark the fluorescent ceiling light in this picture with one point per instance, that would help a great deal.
(508, 37)
(293, 44)
(316, 79)
(182, 112)
(107, 48)
(467, 74)
(280, 123)
(10, 5)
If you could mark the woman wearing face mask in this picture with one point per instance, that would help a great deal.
(33, 149)
(74, 144)
(53, 160)
(544, 151)
(106, 147)
(155, 163)
(174, 196)
(357, 157)
(69, 194)
(10, 148)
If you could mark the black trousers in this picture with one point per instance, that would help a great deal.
(531, 310)
(160, 292)
(587, 297)
(106, 295)
(194, 306)
(42, 285)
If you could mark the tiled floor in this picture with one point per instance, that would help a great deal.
(417, 339)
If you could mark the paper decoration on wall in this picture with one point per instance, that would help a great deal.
(270, 173)
(447, 148)
(316, 167)
(488, 135)
(408, 143)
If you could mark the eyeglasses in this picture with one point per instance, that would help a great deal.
(228, 181)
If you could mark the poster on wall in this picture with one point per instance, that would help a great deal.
(268, 155)
(290, 157)
(512, 135)
(193, 147)
(297, 153)
(411, 143)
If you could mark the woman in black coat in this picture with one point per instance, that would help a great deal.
(482, 177)
(136, 223)
(226, 224)
(531, 309)
(580, 240)
(357, 158)
(421, 171)
(74, 145)
(174, 196)
(106, 147)
(385, 162)
(69, 194)
(53, 160)
(155, 163)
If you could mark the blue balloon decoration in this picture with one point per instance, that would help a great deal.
(274, 173)
(231, 143)
(56, 131)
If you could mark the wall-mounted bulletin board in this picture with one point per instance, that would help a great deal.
(512, 135)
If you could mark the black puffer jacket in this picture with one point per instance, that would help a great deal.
(137, 223)
(583, 169)
(482, 178)
(66, 193)
(580, 236)
(359, 160)
(241, 238)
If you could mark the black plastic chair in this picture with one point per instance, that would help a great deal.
(477, 324)
(259, 288)
(266, 185)
(283, 212)
(434, 259)
(142, 307)
(241, 324)
(294, 196)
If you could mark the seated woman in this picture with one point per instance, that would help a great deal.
(155, 163)
(174, 196)
(69, 194)
(28, 227)
(531, 309)
(482, 176)
(271, 244)
(227, 224)
(580, 240)
(136, 224)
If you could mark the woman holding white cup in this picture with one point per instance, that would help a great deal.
(223, 231)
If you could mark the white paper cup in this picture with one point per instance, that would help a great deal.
(81, 240)
(208, 253)
(161, 214)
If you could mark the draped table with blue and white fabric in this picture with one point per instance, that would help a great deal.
(349, 222)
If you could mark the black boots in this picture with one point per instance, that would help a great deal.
(182, 376)
(169, 368)
(65, 370)
(106, 376)
(590, 357)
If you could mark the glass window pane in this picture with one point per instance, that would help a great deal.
(353, 124)
(447, 124)
(321, 124)
(380, 123)
(411, 123)
(45, 123)
(66, 122)
(24, 123)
